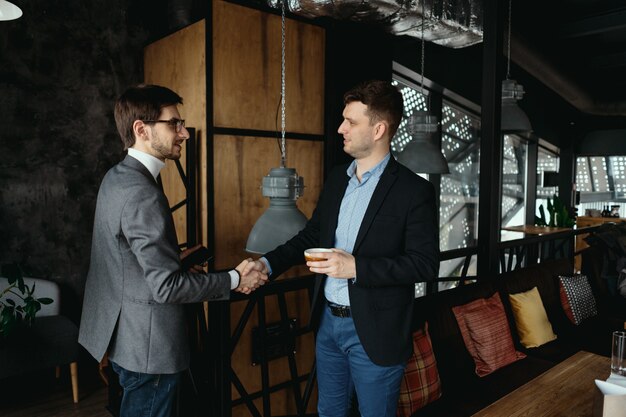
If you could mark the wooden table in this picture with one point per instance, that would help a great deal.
(565, 390)
(531, 229)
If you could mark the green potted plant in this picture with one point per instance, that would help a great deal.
(559, 215)
(18, 306)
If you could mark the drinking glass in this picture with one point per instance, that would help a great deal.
(618, 354)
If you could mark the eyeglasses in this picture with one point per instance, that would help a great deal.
(177, 124)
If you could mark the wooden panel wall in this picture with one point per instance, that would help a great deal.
(240, 165)
(246, 83)
(246, 78)
(178, 62)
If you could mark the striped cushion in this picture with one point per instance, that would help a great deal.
(580, 299)
(420, 384)
(486, 334)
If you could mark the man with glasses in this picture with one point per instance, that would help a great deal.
(136, 286)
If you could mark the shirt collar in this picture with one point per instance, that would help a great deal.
(374, 172)
(153, 164)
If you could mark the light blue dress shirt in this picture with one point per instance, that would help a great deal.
(353, 206)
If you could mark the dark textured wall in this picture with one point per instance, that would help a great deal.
(61, 67)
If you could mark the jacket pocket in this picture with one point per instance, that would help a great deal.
(393, 301)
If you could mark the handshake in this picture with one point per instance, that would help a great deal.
(253, 274)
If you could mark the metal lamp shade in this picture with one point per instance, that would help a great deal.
(422, 155)
(9, 11)
(278, 224)
(513, 120)
(282, 220)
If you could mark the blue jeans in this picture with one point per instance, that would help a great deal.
(146, 395)
(343, 365)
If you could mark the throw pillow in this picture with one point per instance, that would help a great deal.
(533, 327)
(420, 384)
(580, 299)
(486, 334)
(567, 308)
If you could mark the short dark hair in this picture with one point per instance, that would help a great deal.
(142, 102)
(383, 101)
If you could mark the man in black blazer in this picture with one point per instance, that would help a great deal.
(380, 220)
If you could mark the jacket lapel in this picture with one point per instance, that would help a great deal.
(389, 176)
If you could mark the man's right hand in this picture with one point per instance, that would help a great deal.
(253, 275)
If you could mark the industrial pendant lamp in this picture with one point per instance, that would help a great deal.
(282, 220)
(9, 11)
(423, 155)
(513, 120)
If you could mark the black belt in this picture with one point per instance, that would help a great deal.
(338, 310)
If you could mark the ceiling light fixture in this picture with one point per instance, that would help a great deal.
(9, 11)
(282, 220)
(513, 119)
(422, 154)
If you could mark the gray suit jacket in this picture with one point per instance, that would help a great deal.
(135, 287)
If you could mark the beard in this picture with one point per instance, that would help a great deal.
(167, 151)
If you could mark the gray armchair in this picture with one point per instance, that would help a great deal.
(52, 340)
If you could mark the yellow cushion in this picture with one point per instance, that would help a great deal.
(533, 327)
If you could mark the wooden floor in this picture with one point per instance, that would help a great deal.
(42, 395)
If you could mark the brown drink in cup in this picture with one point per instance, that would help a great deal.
(316, 254)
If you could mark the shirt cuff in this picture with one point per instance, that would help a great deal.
(234, 279)
(267, 265)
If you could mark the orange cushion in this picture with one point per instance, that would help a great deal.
(420, 384)
(486, 334)
(533, 327)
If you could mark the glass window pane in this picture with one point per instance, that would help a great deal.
(583, 175)
(617, 166)
(458, 211)
(601, 181)
(514, 157)
(547, 161)
(413, 101)
(599, 176)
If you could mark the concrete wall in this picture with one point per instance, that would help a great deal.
(61, 67)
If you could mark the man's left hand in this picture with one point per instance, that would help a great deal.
(198, 269)
(339, 264)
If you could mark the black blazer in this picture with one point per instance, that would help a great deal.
(397, 245)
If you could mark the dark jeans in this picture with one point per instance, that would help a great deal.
(343, 366)
(146, 395)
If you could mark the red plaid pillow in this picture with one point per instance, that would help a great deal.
(420, 384)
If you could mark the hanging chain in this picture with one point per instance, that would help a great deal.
(508, 45)
(423, 54)
(423, 17)
(283, 148)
